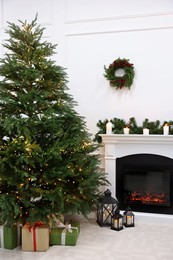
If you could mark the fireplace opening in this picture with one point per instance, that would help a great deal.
(144, 182)
(146, 185)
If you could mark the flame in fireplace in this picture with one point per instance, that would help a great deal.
(147, 198)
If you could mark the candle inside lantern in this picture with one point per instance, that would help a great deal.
(109, 128)
(129, 220)
(145, 131)
(118, 223)
(166, 129)
(126, 130)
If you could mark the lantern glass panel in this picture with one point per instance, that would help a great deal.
(107, 210)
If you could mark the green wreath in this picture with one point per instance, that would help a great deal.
(124, 80)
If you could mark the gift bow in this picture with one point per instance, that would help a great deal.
(36, 224)
(59, 224)
(67, 227)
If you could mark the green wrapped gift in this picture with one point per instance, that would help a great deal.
(66, 235)
(10, 237)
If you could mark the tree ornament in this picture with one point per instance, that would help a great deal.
(120, 73)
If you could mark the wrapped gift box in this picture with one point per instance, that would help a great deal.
(9, 237)
(66, 235)
(35, 238)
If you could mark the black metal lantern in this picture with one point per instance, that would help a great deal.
(105, 207)
(128, 218)
(117, 221)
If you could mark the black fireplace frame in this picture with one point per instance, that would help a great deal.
(142, 159)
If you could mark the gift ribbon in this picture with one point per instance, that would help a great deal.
(63, 235)
(68, 228)
(1, 236)
(37, 224)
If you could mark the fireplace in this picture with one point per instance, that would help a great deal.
(128, 160)
(144, 181)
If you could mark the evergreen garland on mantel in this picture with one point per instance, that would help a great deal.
(118, 124)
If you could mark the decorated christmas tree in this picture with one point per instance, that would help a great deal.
(48, 163)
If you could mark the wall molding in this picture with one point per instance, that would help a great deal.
(120, 24)
(90, 20)
(120, 31)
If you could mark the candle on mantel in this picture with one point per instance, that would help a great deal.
(166, 129)
(109, 128)
(145, 131)
(126, 130)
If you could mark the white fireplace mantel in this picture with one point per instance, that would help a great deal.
(119, 145)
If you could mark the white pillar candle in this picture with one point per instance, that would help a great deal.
(145, 131)
(126, 130)
(109, 128)
(166, 129)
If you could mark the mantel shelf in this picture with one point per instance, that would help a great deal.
(136, 139)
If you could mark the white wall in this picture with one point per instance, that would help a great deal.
(93, 33)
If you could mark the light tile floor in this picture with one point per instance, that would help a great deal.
(148, 240)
